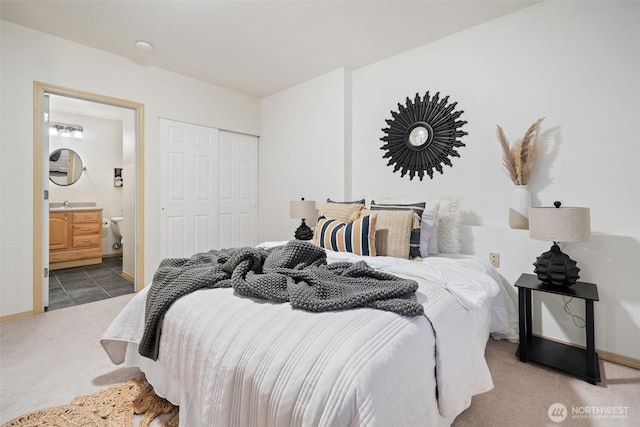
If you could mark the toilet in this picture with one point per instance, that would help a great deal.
(116, 223)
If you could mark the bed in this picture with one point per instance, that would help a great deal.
(239, 361)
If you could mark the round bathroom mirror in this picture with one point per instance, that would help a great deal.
(65, 166)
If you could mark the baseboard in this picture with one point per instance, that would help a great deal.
(16, 315)
(619, 359)
(75, 263)
(128, 277)
(602, 354)
(113, 255)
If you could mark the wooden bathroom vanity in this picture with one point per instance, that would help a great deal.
(75, 237)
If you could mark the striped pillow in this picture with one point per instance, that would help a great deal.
(418, 208)
(357, 237)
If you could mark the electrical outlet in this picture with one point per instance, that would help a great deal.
(495, 259)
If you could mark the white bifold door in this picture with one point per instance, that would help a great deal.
(208, 189)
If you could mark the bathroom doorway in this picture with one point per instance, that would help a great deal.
(102, 181)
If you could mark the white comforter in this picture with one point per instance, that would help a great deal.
(235, 361)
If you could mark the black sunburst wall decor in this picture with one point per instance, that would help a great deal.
(423, 135)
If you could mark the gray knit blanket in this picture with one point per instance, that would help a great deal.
(297, 273)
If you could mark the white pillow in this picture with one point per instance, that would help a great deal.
(448, 222)
(429, 229)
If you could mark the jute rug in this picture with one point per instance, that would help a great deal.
(115, 406)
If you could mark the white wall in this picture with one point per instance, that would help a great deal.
(302, 151)
(554, 60)
(29, 56)
(577, 64)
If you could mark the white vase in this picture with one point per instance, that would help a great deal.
(519, 212)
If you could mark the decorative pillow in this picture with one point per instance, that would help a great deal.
(357, 237)
(393, 231)
(429, 229)
(343, 212)
(358, 202)
(448, 222)
(418, 208)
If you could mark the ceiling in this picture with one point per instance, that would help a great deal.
(255, 47)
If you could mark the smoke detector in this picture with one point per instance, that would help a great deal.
(144, 46)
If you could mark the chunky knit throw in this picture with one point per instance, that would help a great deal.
(297, 273)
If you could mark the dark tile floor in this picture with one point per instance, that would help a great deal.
(80, 285)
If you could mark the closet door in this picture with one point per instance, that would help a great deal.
(238, 190)
(189, 188)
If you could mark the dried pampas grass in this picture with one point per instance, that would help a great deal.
(519, 161)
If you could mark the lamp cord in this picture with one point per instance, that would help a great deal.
(577, 320)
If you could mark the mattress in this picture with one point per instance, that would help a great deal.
(235, 361)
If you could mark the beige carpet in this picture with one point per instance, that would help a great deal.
(49, 359)
(523, 393)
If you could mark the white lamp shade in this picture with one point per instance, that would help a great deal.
(560, 224)
(303, 209)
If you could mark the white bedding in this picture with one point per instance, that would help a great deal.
(236, 361)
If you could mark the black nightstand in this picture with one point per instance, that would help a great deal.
(582, 363)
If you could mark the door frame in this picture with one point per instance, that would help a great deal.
(39, 90)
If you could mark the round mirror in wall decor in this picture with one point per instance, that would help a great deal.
(422, 135)
(65, 166)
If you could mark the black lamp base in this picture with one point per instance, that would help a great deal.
(303, 232)
(556, 268)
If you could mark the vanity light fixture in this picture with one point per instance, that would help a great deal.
(66, 130)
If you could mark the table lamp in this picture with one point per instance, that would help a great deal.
(558, 225)
(304, 210)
